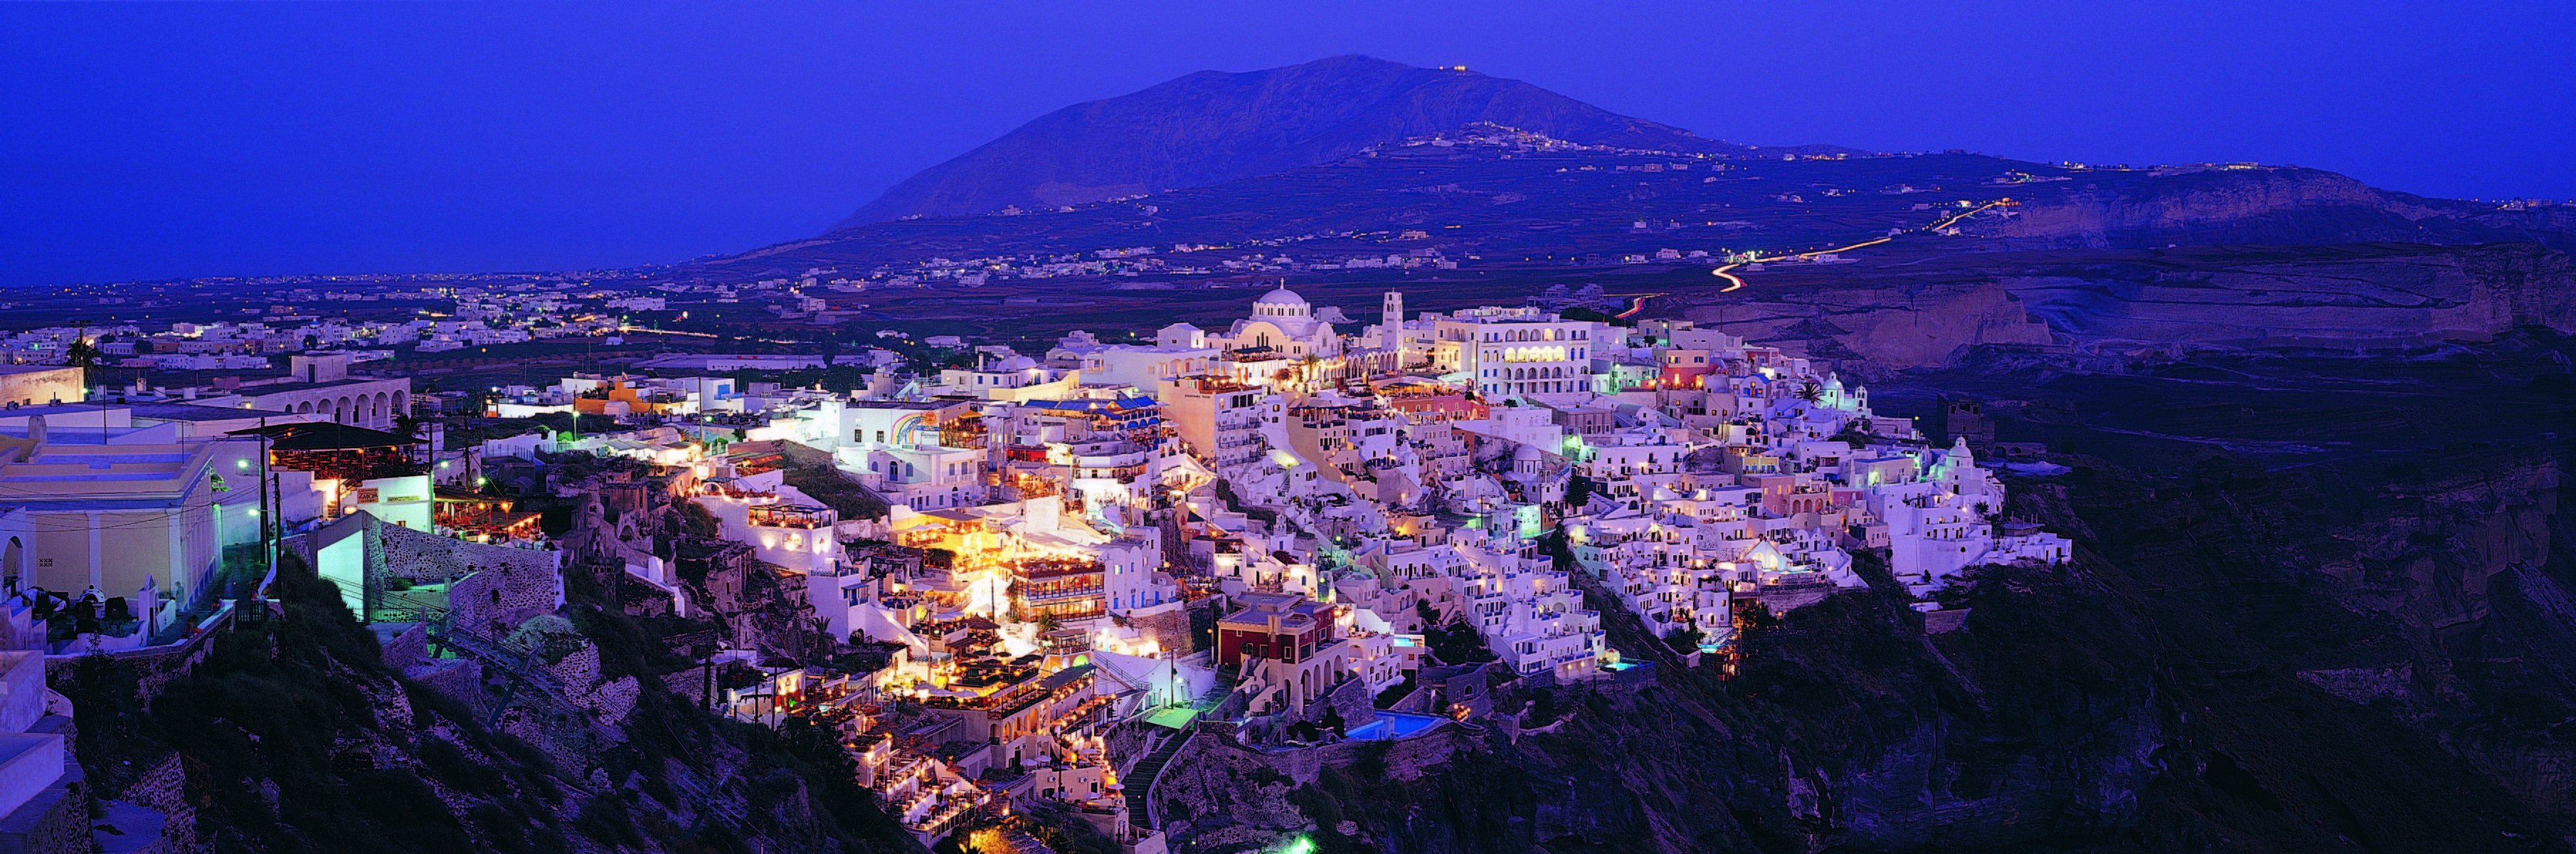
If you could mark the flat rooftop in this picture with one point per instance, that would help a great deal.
(167, 411)
(249, 389)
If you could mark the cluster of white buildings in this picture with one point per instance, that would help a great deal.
(1047, 523)
(1413, 466)
(1415, 463)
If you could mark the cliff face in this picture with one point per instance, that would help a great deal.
(2059, 727)
(2271, 205)
(2262, 206)
(296, 736)
(1887, 326)
(1212, 127)
(2119, 301)
(2362, 296)
(2476, 564)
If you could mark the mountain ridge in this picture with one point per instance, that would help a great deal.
(1210, 127)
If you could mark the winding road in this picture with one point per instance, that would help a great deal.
(1735, 282)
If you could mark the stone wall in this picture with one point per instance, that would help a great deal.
(1167, 625)
(56, 820)
(407, 649)
(53, 822)
(421, 556)
(610, 702)
(506, 590)
(155, 666)
(1470, 686)
(460, 679)
(1126, 743)
(163, 788)
(1353, 699)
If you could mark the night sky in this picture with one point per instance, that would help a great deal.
(153, 141)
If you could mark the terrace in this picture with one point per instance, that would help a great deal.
(799, 516)
(482, 518)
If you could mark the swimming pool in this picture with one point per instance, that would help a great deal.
(1390, 726)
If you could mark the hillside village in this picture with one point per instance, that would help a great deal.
(1024, 591)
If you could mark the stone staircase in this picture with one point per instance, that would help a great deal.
(1140, 805)
(1140, 800)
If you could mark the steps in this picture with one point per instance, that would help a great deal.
(1147, 770)
(1225, 682)
(1140, 801)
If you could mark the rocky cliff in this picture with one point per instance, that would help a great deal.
(297, 736)
(2270, 205)
(2176, 691)
(2333, 296)
(1887, 326)
(1930, 310)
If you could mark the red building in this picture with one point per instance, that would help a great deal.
(1273, 626)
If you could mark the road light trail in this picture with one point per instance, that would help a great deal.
(1966, 214)
(1636, 304)
(1732, 282)
(1736, 283)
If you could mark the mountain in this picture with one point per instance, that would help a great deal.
(1212, 127)
(1507, 194)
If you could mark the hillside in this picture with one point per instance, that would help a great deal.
(1212, 127)
(2356, 649)
(1510, 195)
(297, 735)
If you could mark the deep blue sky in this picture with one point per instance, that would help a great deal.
(150, 141)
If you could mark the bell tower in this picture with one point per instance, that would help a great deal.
(1391, 324)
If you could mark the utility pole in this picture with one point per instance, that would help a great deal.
(266, 519)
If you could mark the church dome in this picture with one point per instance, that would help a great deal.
(1281, 302)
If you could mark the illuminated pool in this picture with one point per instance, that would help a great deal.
(1390, 726)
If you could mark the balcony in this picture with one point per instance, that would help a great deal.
(798, 516)
(1041, 570)
(1054, 594)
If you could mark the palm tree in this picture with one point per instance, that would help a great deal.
(81, 353)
